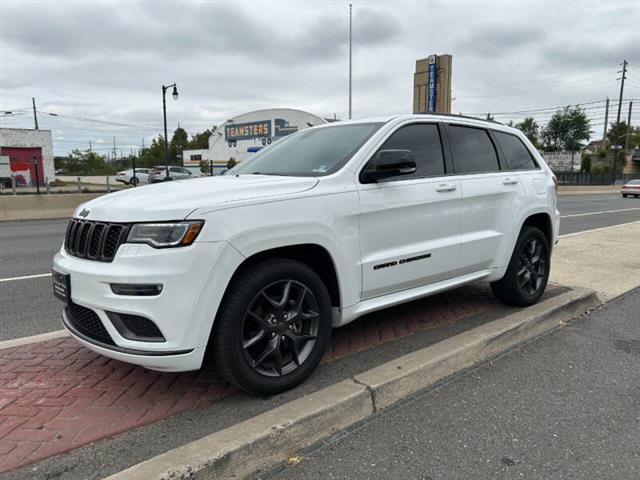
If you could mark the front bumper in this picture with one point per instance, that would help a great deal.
(183, 311)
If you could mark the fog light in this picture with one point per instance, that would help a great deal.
(140, 290)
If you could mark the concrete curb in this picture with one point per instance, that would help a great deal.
(42, 337)
(266, 439)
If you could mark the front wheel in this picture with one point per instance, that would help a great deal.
(528, 272)
(624, 195)
(273, 327)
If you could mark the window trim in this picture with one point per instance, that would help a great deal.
(491, 139)
(445, 163)
(506, 161)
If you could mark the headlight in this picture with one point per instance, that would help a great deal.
(162, 235)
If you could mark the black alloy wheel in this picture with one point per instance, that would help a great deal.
(527, 274)
(280, 328)
(532, 267)
(273, 326)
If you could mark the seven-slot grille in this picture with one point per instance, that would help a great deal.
(94, 240)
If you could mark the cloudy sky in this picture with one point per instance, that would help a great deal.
(96, 62)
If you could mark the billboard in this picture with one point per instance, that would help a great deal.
(431, 96)
(248, 130)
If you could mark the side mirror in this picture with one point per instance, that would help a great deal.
(387, 164)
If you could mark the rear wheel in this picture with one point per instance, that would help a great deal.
(134, 181)
(528, 272)
(273, 327)
(624, 195)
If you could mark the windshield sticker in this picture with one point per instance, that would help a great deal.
(320, 169)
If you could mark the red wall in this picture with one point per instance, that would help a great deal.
(21, 158)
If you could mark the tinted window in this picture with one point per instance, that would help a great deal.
(175, 170)
(517, 155)
(473, 150)
(310, 152)
(424, 142)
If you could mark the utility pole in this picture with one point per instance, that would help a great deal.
(606, 124)
(350, 68)
(35, 116)
(90, 147)
(626, 138)
(622, 79)
(114, 151)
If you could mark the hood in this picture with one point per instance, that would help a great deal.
(175, 200)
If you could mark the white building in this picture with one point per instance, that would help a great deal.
(28, 150)
(241, 136)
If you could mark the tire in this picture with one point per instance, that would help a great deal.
(258, 321)
(624, 195)
(525, 279)
(134, 181)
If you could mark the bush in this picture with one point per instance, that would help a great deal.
(585, 165)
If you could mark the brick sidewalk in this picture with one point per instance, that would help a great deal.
(57, 395)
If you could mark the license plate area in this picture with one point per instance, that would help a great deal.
(61, 286)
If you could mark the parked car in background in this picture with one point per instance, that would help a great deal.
(632, 187)
(5, 172)
(195, 171)
(252, 270)
(159, 174)
(127, 177)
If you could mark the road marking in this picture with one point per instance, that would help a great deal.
(599, 213)
(598, 229)
(26, 277)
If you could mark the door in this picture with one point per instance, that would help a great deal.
(410, 224)
(491, 196)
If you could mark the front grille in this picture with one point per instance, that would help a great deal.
(94, 240)
(86, 321)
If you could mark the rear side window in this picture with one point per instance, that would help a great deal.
(473, 150)
(423, 139)
(516, 154)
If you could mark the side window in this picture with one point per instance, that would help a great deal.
(516, 154)
(174, 169)
(473, 150)
(423, 139)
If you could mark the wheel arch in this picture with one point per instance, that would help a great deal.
(542, 221)
(313, 255)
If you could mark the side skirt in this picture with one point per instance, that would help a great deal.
(349, 314)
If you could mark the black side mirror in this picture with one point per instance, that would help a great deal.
(387, 164)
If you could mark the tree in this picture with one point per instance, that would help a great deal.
(566, 130)
(86, 162)
(179, 142)
(152, 155)
(531, 129)
(200, 140)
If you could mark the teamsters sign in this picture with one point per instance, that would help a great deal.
(247, 131)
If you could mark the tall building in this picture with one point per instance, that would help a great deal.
(432, 84)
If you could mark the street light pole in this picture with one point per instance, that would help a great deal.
(164, 112)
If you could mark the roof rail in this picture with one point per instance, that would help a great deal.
(455, 115)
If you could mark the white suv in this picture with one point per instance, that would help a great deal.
(252, 269)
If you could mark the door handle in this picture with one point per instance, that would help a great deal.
(446, 187)
(510, 181)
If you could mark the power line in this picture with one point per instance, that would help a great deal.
(103, 122)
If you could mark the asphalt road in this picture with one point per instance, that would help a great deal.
(27, 306)
(564, 406)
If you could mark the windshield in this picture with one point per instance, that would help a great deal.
(311, 152)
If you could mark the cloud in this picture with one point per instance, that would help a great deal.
(108, 59)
